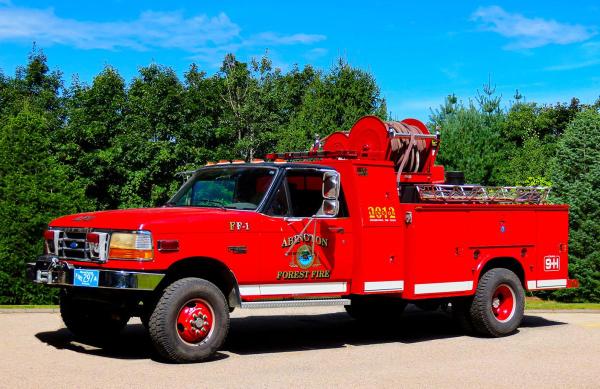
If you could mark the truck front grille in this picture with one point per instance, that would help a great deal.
(72, 244)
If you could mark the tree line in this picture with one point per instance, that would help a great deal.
(116, 144)
(530, 144)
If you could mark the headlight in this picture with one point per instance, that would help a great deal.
(135, 245)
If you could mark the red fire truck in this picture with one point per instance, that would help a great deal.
(365, 220)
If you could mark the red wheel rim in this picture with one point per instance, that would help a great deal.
(503, 303)
(195, 321)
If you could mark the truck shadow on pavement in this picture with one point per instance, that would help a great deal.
(269, 334)
(272, 334)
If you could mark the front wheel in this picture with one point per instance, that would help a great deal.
(498, 305)
(190, 321)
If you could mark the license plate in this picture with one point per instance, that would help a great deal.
(86, 277)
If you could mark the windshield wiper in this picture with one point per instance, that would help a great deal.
(219, 203)
(211, 201)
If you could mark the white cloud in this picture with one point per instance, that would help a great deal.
(586, 55)
(529, 33)
(574, 65)
(316, 53)
(272, 38)
(200, 35)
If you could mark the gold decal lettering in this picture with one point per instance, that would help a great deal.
(303, 274)
(304, 238)
(381, 214)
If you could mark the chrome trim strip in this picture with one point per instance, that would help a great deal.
(384, 286)
(444, 287)
(547, 284)
(295, 303)
(293, 288)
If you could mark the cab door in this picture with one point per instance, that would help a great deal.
(303, 254)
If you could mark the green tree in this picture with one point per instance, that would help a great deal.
(146, 143)
(87, 142)
(253, 106)
(334, 101)
(576, 177)
(471, 140)
(34, 188)
(202, 110)
(531, 132)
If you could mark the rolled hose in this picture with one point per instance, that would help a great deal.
(409, 160)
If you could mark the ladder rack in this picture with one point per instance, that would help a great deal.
(483, 194)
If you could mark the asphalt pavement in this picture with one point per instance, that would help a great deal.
(312, 347)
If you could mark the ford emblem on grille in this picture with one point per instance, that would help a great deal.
(73, 245)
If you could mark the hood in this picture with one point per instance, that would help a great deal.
(167, 219)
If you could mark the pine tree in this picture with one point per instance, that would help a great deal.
(576, 178)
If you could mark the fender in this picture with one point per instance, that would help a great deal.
(210, 269)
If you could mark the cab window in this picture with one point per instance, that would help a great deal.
(300, 195)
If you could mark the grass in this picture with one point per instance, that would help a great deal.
(534, 303)
(28, 306)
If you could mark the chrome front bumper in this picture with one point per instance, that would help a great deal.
(49, 270)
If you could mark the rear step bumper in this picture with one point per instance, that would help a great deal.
(560, 283)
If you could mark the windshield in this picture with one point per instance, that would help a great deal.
(227, 187)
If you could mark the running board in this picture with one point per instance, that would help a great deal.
(295, 303)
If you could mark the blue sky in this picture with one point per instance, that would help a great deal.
(418, 51)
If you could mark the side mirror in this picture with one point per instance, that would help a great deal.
(331, 185)
(331, 193)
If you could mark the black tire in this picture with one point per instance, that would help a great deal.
(91, 320)
(491, 311)
(167, 332)
(368, 309)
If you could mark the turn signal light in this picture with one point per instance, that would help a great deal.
(132, 246)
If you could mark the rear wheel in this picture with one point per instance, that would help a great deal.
(190, 321)
(91, 319)
(499, 302)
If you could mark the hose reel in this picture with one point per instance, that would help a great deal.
(408, 143)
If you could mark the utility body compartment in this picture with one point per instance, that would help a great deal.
(446, 246)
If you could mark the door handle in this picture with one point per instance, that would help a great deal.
(336, 229)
